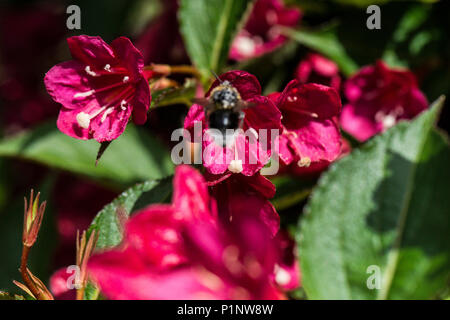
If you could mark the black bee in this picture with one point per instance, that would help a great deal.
(223, 109)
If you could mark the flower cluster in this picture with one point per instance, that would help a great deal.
(378, 97)
(100, 88)
(220, 237)
(261, 33)
(183, 251)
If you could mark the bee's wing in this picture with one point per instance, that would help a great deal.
(241, 105)
(201, 101)
(205, 103)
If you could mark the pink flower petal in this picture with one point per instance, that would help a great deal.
(121, 276)
(313, 101)
(155, 234)
(91, 51)
(59, 284)
(111, 126)
(66, 83)
(129, 56)
(195, 114)
(68, 124)
(317, 141)
(141, 102)
(358, 122)
(246, 83)
(191, 198)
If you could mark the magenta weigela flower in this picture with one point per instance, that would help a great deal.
(310, 131)
(100, 89)
(181, 251)
(287, 270)
(261, 33)
(318, 69)
(237, 194)
(378, 97)
(245, 155)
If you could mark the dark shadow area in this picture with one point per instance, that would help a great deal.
(423, 190)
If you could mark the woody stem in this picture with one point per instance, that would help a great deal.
(26, 278)
(80, 292)
(183, 69)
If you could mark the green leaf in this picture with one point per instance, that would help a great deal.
(385, 205)
(135, 156)
(107, 222)
(290, 191)
(170, 96)
(326, 43)
(411, 21)
(208, 27)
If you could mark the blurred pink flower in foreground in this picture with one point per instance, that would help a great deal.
(378, 97)
(261, 33)
(246, 156)
(237, 194)
(181, 251)
(318, 69)
(310, 132)
(287, 271)
(100, 88)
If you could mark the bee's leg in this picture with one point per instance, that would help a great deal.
(241, 119)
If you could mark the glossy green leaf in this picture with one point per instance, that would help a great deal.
(108, 220)
(179, 95)
(135, 156)
(326, 43)
(384, 206)
(208, 27)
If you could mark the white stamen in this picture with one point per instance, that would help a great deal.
(282, 277)
(126, 79)
(107, 68)
(89, 71)
(235, 166)
(83, 120)
(246, 46)
(304, 162)
(106, 113)
(84, 94)
(170, 259)
(123, 104)
(170, 236)
(388, 121)
(292, 98)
